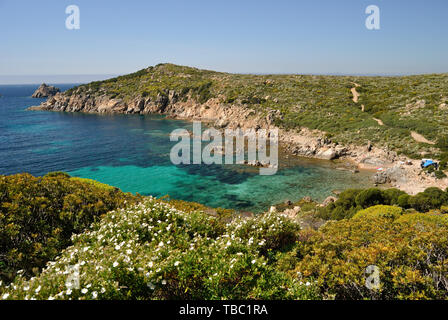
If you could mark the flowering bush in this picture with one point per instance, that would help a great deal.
(154, 251)
(39, 214)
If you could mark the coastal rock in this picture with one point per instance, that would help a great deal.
(392, 175)
(292, 213)
(372, 161)
(328, 154)
(307, 199)
(329, 200)
(45, 91)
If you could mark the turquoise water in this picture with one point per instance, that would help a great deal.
(131, 152)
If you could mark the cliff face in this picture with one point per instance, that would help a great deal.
(45, 91)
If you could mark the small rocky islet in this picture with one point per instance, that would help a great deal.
(45, 91)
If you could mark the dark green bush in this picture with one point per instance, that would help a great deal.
(440, 174)
(431, 198)
(354, 200)
(403, 201)
(370, 197)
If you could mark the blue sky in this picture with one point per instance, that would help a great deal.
(250, 36)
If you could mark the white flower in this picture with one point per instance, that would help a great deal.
(37, 289)
(164, 282)
(5, 296)
(176, 263)
(68, 292)
(253, 261)
(150, 264)
(26, 288)
(307, 284)
(94, 294)
(115, 264)
(84, 291)
(129, 251)
(50, 298)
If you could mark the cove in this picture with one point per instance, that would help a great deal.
(131, 152)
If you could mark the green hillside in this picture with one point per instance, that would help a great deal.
(402, 104)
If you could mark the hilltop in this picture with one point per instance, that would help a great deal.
(374, 121)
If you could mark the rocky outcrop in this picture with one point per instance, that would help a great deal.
(45, 91)
(396, 174)
(329, 200)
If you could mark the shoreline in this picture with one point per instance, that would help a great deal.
(386, 166)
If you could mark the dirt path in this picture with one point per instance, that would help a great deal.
(381, 123)
(355, 93)
(419, 138)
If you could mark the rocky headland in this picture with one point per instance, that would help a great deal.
(387, 166)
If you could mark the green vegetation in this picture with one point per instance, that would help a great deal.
(403, 104)
(171, 249)
(38, 216)
(352, 201)
(410, 255)
(153, 251)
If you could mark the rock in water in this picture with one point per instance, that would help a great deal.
(45, 91)
(328, 154)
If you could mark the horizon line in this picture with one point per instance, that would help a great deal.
(110, 76)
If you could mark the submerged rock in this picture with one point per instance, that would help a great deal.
(45, 91)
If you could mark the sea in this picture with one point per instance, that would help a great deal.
(131, 152)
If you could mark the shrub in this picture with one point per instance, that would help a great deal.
(440, 174)
(370, 197)
(411, 258)
(431, 198)
(344, 207)
(424, 218)
(153, 251)
(403, 200)
(389, 212)
(39, 214)
(392, 195)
